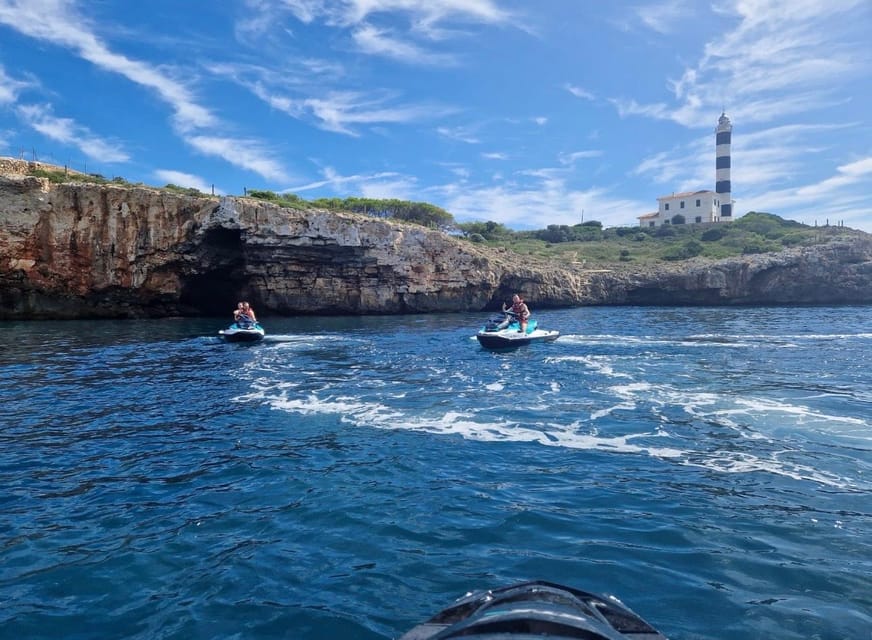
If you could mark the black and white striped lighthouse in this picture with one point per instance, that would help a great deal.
(722, 167)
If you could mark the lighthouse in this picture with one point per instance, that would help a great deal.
(722, 167)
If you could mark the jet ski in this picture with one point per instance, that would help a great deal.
(243, 331)
(503, 331)
(535, 610)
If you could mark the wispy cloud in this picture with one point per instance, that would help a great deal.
(386, 184)
(536, 205)
(778, 60)
(494, 156)
(182, 179)
(338, 182)
(423, 14)
(10, 88)
(461, 134)
(374, 41)
(833, 199)
(57, 22)
(663, 17)
(570, 158)
(243, 153)
(67, 131)
(434, 21)
(578, 92)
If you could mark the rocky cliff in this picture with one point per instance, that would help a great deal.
(83, 250)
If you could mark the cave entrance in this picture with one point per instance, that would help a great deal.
(221, 279)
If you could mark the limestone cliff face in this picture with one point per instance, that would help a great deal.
(836, 273)
(83, 250)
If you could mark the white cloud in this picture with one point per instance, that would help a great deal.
(461, 134)
(663, 16)
(246, 154)
(67, 131)
(578, 92)
(494, 156)
(10, 88)
(423, 14)
(342, 111)
(433, 20)
(783, 57)
(377, 185)
(182, 179)
(336, 181)
(379, 42)
(56, 21)
(535, 199)
(830, 200)
(570, 158)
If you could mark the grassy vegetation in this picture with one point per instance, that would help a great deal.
(60, 176)
(752, 233)
(587, 243)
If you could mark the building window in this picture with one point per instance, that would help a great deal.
(697, 203)
(652, 224)
(666, 207)
(681, 205)
(698, 219)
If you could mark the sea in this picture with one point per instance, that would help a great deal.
(348, 477)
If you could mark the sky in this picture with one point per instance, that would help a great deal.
(528, 113)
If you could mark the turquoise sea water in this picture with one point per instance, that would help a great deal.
(347, 478)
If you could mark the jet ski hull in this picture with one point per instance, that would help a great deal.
(536, 609)
(245, 333)
(504, 332)
(511, 338)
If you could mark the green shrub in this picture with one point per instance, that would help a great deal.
(713, 234)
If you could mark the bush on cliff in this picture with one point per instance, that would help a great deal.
(488, 230)
(422, 213)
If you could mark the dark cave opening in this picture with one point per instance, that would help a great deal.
(220, 281)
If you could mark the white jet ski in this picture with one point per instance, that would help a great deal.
(503, 331)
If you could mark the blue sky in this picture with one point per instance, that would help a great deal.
(525, 113)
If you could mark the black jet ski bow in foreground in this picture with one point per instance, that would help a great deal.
(503, 331)
(535, 610)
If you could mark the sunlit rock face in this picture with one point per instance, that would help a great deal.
(82, 250)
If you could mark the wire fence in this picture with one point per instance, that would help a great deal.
(67, 162)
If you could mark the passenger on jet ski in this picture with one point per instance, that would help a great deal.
(521, 311)
(244, 314)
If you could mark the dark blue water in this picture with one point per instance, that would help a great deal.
(346, 478)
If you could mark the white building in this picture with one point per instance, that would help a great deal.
(694, 207)
(697, 207)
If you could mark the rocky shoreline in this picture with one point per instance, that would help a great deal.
(80, 250)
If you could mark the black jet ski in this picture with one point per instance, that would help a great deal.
(243, 331)
(503, 331)
(535, 610)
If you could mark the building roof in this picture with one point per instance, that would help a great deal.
(685, 194)
(649, 215)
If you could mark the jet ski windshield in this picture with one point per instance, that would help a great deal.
(536, 609)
